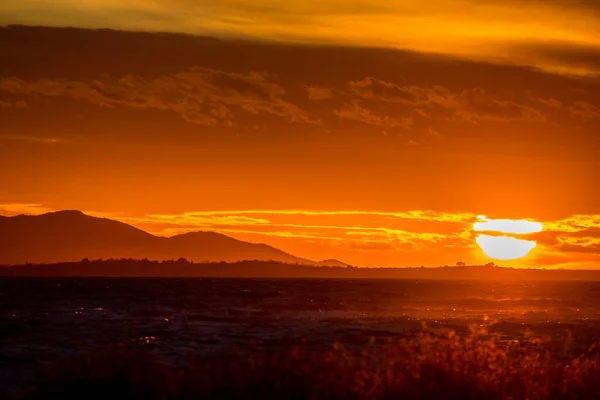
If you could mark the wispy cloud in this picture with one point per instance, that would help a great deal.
(8, 209)
(34, 139)
(574, 223)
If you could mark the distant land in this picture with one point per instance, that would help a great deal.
(72, 236)
(270, 269)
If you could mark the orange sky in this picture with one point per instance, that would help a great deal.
(317, 144)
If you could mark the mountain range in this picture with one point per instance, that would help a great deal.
(72, 236)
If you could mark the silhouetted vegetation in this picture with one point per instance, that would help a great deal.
(427, 366)
(272, 269)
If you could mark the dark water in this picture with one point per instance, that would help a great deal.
(43, 318)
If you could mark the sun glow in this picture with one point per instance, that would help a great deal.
(505, 247)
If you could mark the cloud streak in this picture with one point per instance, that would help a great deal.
(535, 33)
(33, 139)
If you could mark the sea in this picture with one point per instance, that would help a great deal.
(44, 319)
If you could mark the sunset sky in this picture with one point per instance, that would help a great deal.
(380, 133)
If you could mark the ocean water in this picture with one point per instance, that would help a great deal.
(42, 319)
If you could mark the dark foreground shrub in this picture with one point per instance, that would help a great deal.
(424, 367)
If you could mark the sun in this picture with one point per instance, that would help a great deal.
(505, 247)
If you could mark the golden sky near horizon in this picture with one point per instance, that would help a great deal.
(379, 133)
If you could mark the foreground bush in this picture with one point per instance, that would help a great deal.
(426, 366)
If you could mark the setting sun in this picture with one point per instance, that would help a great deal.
(505, 247)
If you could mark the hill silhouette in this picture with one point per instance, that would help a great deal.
(331, 263)
(72, 236)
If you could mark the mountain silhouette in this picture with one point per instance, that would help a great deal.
(331, 263)
(72, 235)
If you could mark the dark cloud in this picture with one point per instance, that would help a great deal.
(12, 104)
(376, 89)
(584, 240)
(477, 105)
(564, 56)
(584, 111)
(84, 54)
(199, 95)
(471, 105)
(589, 5)
(319, 93)
(441, 27)
(354, 111)
(586, 248)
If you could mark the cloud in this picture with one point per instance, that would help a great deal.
(551, 103)
(473, 105)
(574, 223)
(199, 95)
(578, 111)
(376, 89)
(434, 134)
(585, 111)
(9, 209)
(477, 105)
(587, 241)
(319, 93)
(12, 104)
(562, 57)
(575, 234)
(356, 112)
(342, 227)
(34, 139)
(534, 33)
